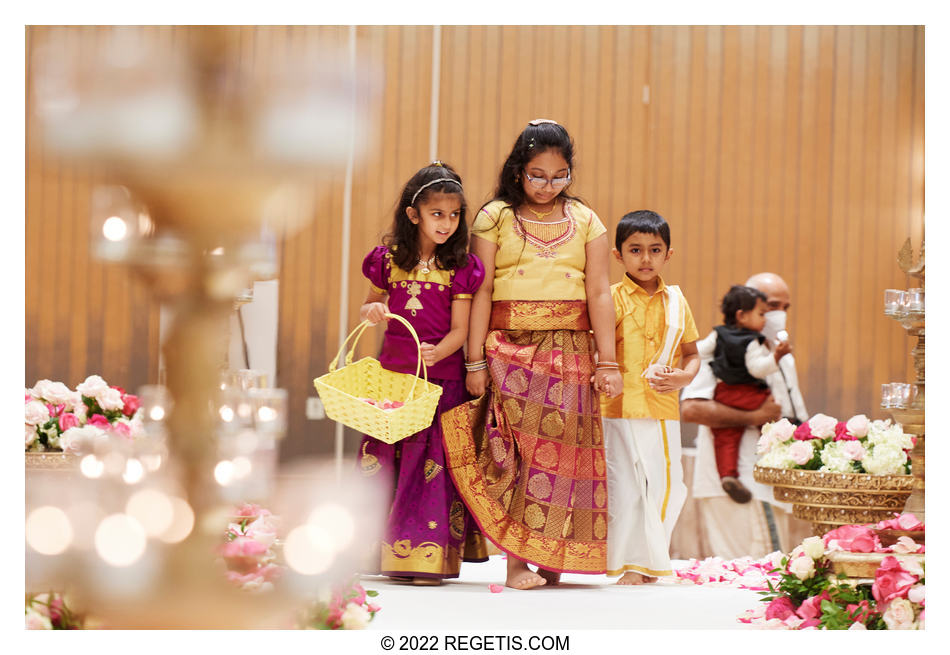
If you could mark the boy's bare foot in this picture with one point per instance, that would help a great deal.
(634, 578)
(520, 576)
(736, 490)
(551, 578)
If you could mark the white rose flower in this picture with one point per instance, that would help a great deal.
(775, 559)
(92, 386)
(39, 389)
(899, 615)
(822, 425)
(30, 435)
(857, 625)
(802, 567)
(917, 593)
(58, 393)
(55, 442)
(858, 425)
(814, 547)
(73, 440)
(110, 399)
(35, 413)
(801, 452)
(36, 621)
(355, 617)
(853, 450)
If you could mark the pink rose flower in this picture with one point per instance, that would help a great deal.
(858, 426)
(822, 426)
(811, 607)
(122, 429)
(130, 404)
(373, 608)
(99, 421)
(68, 420)
(891, 581)
(782, 430)
(803, 432)
(780, 608)
(909, 522)
(853, 538)
(854, 450)
(495, 588)
(808, 623)
(242, 547)
(801, 452)
(55, 410)
(841, 432)
(859, 612)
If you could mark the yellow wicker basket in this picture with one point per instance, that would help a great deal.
(342, 392)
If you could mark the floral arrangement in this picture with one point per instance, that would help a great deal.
(346, 608)
(823, 443)
(802, 592)
(49, 611)
(248, 551)
(58, 419)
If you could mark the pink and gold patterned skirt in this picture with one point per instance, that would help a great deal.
(528, 456)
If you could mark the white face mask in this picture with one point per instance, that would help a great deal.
(775, 323)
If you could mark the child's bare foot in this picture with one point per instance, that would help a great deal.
(552, 578)
(426, 582)
(520, 576)
(634, 578)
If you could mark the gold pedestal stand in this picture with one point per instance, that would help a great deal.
(912, 417)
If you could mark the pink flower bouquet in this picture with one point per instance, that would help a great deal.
(348, 608)
(802, 592)
(58, 419)
(49, 611)
(823, 443)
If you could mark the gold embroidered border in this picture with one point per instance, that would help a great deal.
(427, 557)
(496, 524)
(539, 315)
(639, 569)
(462, 296)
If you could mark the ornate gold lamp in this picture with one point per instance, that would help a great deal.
(905, 403)
(203, 148)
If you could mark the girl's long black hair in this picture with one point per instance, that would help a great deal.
(403, 237)
(533, 140)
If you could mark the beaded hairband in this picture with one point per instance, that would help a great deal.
(441, 179)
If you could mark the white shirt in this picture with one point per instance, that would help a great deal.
(784, 386)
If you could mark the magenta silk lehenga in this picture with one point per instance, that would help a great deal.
(428, 531)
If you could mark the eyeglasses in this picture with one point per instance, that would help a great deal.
(541, 182)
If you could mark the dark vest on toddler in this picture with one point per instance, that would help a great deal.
(729, 357)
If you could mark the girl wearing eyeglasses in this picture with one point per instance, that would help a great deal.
(528, 455)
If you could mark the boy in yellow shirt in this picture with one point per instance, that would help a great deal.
(656, 352)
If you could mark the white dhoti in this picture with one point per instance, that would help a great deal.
(645, 493)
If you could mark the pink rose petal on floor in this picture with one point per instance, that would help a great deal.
(495, 588)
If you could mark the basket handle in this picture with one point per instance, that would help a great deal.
(358, 332)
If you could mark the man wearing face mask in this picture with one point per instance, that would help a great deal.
(755, 528)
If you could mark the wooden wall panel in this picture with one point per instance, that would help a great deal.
(797, 149)
(82, 316)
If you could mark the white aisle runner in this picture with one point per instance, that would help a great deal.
(579, 602)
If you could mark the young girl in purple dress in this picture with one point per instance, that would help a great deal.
(424, 274)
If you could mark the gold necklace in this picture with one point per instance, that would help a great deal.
(540, 215)
(425, 264)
